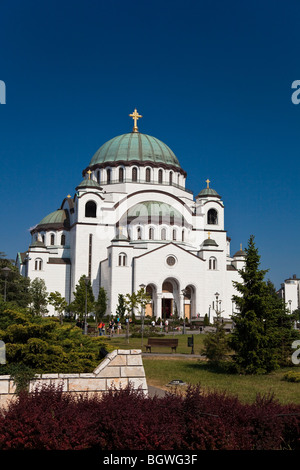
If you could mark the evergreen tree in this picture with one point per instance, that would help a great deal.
(39, 296)
(81, 293)
(257, 338)
(121, 307)
(216, 343)
(101, 304)
(17, 286)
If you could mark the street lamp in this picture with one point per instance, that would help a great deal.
(143, 287)
(86, 280)
(6, 272)
(184, 292)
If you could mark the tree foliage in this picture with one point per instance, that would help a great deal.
(101, 304)
(17, 286)
(59, 303)
(45, 346)
(39, 296)
(83, 291)
(263, 332)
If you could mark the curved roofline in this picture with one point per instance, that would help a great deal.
(134, 145)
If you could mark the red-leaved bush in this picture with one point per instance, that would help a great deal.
(49, 419)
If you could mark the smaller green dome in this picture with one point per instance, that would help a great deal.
(88, 183)
(55, 217)
(239, 253)
(209, 242)
(57, 220)
(208, 192)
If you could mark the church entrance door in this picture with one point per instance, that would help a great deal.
(166, 308)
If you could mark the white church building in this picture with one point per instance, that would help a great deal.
(132, 222)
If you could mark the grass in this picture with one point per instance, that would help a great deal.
(160, 370)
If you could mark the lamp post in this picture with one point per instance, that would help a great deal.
(86, 280)
(184, 292)
(6, 272)
(143, 287)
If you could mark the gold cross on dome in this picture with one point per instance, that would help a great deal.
(135, 116)
(209, 235)
(241, 247)
(207, 182)
(89, 173)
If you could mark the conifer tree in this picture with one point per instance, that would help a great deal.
(101, 304)
(78, 304)
(261, 324)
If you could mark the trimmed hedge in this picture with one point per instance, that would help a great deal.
(49, 419)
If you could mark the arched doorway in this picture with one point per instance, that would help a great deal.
(150, 307)
(170, 299)
(189, 301)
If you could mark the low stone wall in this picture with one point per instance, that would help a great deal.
(118, 368)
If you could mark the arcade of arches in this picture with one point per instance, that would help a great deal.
(171, 301)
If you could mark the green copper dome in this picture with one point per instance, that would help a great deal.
(57, 220)
(134, 147)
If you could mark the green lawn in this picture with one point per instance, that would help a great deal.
(160, 370)
(136, 343)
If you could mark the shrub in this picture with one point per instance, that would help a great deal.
(292, 376)
(49, 419)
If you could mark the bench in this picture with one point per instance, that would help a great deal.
(165, 343)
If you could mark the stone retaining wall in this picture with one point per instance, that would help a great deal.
(118, 368)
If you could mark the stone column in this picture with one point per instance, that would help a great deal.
(158, 305)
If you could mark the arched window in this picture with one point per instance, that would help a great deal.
(122, 259)
(160, 176)
(90, 209)
(170, 177)
(212, 217)
(151, 233)
(38, 264)
(174, 234)
(98, 176)
(212, 263)
(121, 175)
(52, 238)
(134, 174)
(108, 176)
(163, 234)
(182, 235)
(63, 239)
(148, 175)
(139, 233)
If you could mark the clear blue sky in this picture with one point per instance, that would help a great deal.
(211, 79)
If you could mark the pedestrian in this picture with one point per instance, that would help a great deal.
(166, 326)
(119, 326)
(103, 328)
(100, 326)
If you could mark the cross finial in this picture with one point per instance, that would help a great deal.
(241, 247)
(209, 235)
(89, 173)
(135, 116)
(207, 182)
(68, 196)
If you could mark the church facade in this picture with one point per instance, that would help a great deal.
(132, 222)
